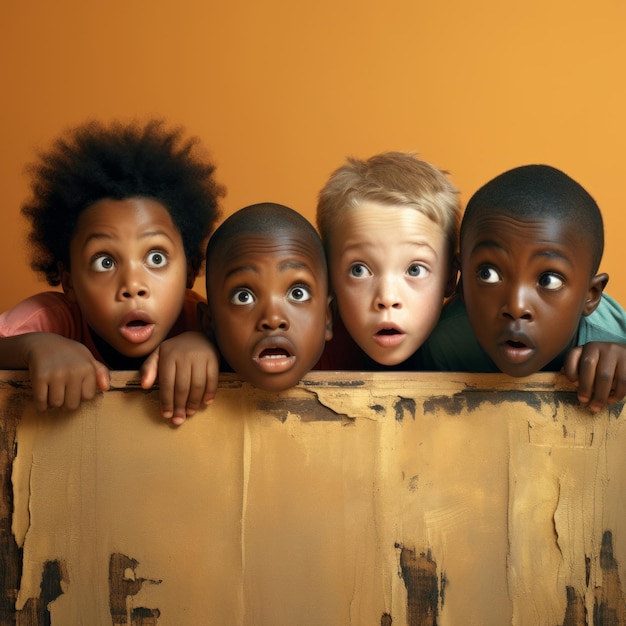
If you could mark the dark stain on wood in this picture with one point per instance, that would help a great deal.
(576, 611)
(144, 617)
(35, 611)
(615, 410)
(306, 409)
(333, 383)
(609, 607)
(402, 406)
(386, 620)
(472, 399)
(10, 552)
(419, 573)
(124, 583)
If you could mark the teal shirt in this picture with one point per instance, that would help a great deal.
(453, 347)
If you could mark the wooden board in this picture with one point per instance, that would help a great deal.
(351, 500)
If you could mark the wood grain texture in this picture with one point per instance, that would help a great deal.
(353, 499)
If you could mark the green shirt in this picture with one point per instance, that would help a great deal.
(453, 347)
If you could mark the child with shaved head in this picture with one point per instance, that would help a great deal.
(267, 289)
(531, 297)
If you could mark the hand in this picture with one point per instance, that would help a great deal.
(63, 372)
(188, 368)
(599, 369)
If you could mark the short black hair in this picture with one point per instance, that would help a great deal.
(540, 192)
(94, 161)
(264, 218)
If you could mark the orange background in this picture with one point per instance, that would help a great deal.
(281, 91)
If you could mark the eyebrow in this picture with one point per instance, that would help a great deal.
(285, 265)
(105, 236)
(550, 254)
(361, 244)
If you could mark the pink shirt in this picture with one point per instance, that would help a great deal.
(52, 312)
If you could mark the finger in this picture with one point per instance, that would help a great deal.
(40, 394)
(618, 392)
(587, 366)
(167, 374)
(182, 388)
(149, 370)
(212, 379)
(602, 386)
(570, 363)
(56, 394)
(197, 391)
(77, 390)
(103, 377)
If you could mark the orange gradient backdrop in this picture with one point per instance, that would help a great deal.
(281, 91)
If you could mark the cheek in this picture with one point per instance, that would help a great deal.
(350, 299)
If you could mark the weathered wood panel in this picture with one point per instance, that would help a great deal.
(351, 500)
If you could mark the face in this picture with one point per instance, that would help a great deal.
(269, 307)
(390, 269)
(128, 273)
(526, 284)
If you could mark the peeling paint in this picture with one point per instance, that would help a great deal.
(334, 383)
(402, 406)
(469, 493)
(35, 611)
(307, 409)
(11, 553)
(123, 583)
(472, 399)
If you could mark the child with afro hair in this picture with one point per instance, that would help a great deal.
(119, 218)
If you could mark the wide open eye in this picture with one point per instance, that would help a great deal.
(487, 274)
(102, 263)
(242, 296)
(551, 281)
(156, 258)
(416, 269)
(299, 293)
(358, 270)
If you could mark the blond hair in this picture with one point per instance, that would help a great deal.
(392, 179)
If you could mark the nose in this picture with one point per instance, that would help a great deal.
(517, 305)
(132, 284)
(387, 296)
(273, 317)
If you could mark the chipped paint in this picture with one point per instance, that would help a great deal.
(447, 496)
(123, 584)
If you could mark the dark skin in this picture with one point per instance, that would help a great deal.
(128, 274)
(269, 306)
(526, 284)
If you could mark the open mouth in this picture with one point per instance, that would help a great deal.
(516, 351)
(136, 323)
(516, 344)
(274, 353)
(137, 330)
(389, 337)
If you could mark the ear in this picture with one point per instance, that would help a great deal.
(66, 283)
(594, 295)
(453, 277)
(329, 320)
